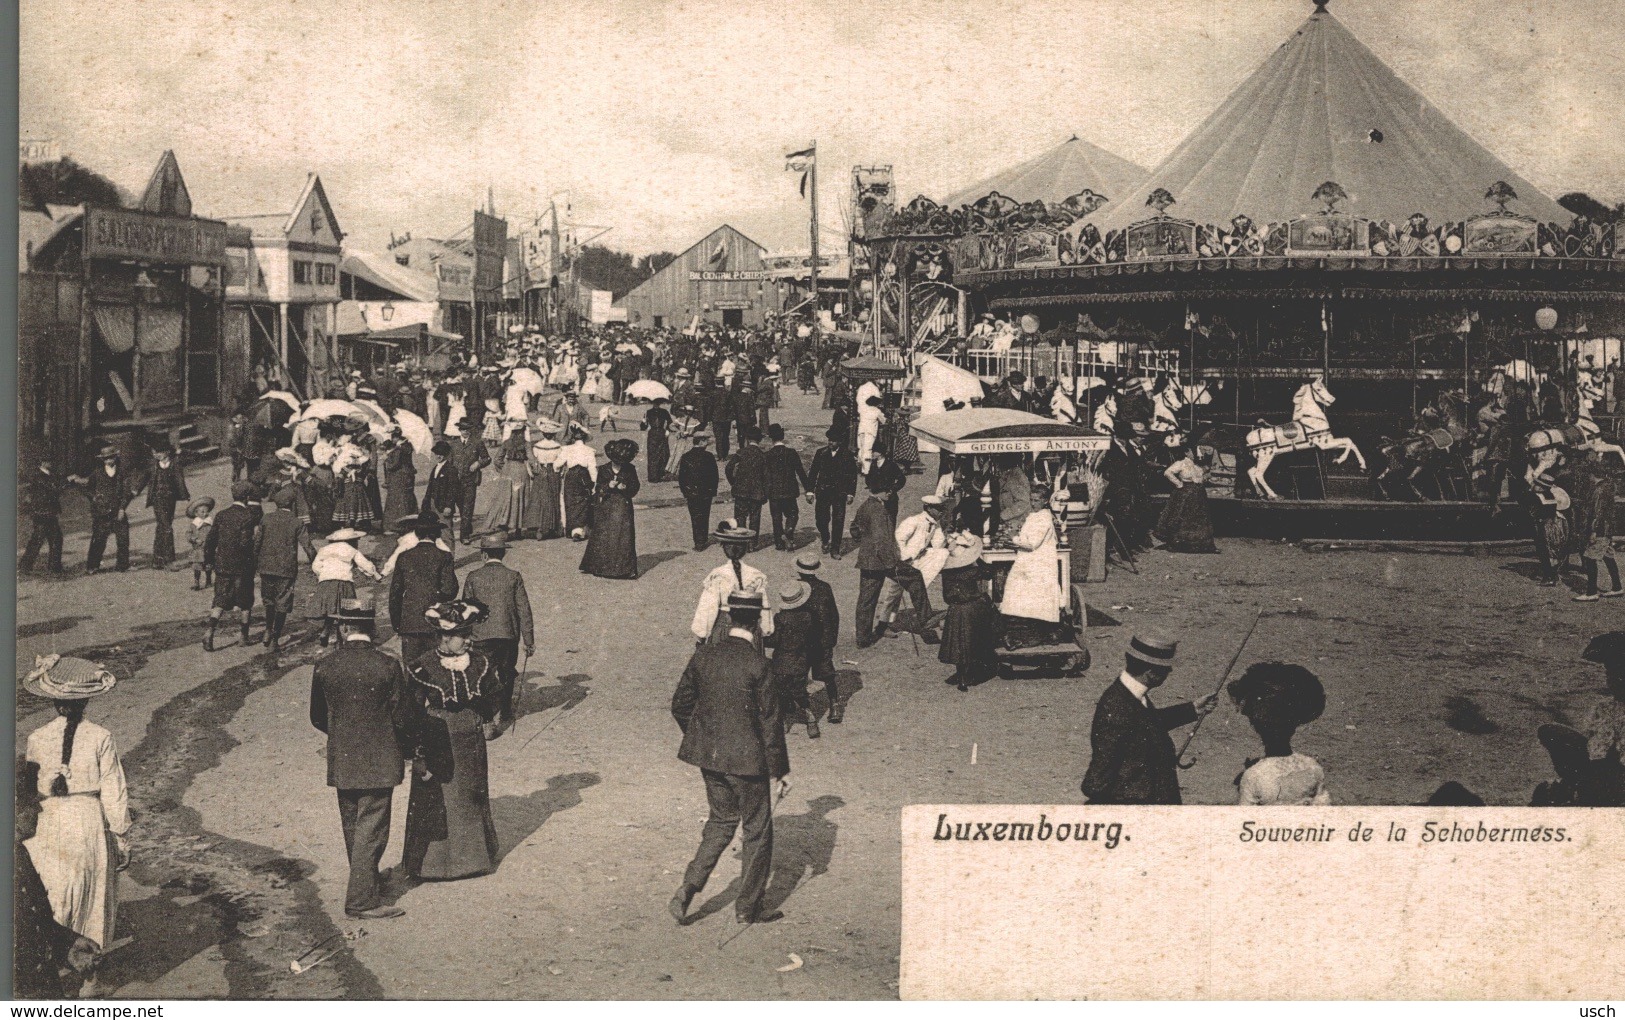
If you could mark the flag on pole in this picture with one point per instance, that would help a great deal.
(802, 161)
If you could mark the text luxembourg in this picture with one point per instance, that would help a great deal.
(1107, 834)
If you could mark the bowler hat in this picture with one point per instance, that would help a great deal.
(1153, 649)
(775, 432)
(242, 492)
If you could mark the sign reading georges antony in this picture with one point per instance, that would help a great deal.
(145, 237)
(490, 245)
(1083, 444)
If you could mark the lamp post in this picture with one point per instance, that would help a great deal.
(387, 311)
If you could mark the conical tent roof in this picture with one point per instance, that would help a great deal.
(1059, 174)
(1313, 113)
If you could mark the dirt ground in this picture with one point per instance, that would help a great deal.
(1436, 667)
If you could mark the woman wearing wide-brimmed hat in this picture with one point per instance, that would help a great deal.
(85, 815)
(1278, 698)
(710, 623)
(449, 831)
(612, 548)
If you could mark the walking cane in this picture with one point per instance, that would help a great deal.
(1226, 676)
(517, 695)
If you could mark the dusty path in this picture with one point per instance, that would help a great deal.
(1436, 667)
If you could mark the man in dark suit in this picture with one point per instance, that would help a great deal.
(359, 698)
(884, 472)
(109, 491)
(747, 476)
(42, 501)
(697, 478)
(718, 412)
(744, 407)
(501, 591)
(733, 733)
(823, 605)
(469, 457)
(445, 490)
(282, 534)
(1132, 759)
(833, 479)
(424, 575)
(878, 557)
(786, 481)
(165, 489)
(230, 551)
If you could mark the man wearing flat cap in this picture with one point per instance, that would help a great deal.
(1132, 758)
(359, 698)
(733, 731)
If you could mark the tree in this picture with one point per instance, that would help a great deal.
(65, 182)
(654, 262)
(1582, 204)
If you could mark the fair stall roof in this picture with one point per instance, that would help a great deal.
(987, 430)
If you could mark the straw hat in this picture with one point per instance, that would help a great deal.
(1153, 649)
(730, 531)
(203, 504)
(794, 594)
(65, 678)
(808, 563)
(346, 535)
(358, 610)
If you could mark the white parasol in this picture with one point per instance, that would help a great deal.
(331, 408)
(629, 348)
(416, 431)
(648, 389)
(282, 395)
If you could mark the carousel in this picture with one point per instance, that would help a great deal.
(1371, 326)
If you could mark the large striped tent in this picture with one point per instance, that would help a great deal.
(1058, 174)
(1325, 108)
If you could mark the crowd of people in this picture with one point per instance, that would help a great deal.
(308, 488)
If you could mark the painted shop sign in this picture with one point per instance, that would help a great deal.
(984, 446)
(145, 237)
(740, 274)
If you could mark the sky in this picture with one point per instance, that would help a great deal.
(662, 120)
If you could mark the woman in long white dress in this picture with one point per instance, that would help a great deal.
(1033, 589)
(80, 843)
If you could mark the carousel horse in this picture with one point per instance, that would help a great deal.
(1308, 430)
(1440, 439)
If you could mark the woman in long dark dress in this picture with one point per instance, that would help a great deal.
(400, 480)
(541, 518)
(612, 549)
(1185, 525)
(577, 484)
(970, 628)
(449, 831)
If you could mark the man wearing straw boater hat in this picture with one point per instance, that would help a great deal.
(1132, 759)
(733, 732)
(359, 698)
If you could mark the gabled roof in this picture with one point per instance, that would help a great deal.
(279, 225)
(677, 265)
(1058, 174)
(1325, 108)
(166, 190)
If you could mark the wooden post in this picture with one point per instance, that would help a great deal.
(85, 388)
(813, 190)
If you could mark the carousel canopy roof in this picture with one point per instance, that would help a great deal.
(1058, 174)
(999, 430)
(1325, 108)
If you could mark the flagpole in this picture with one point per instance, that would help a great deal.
(814, 263)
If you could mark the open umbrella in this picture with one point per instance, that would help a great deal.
(648, 389)
(528, 380)
(629, 348)
(284, 396)
(416, 431)
(372, 412)
(330, 408)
